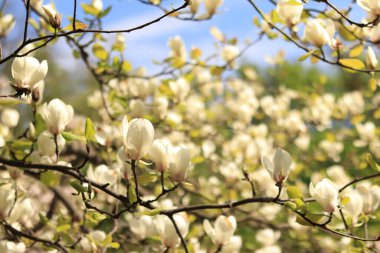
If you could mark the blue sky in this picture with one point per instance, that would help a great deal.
(234, 19)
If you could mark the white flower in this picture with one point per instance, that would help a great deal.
(195, 6)
(167, 231)
(233, 246)
(10, 117)
(179, 163)
(7, 197)
(223, 230)
(7, 22)
(57, 115)
(97, 4)
(212, 5)
(290, 11)
(159, 154)
(142, 227)
(27, 71)
(92, 241)
(102, 174)
(52, 15)
(370, 6)
(178, 49)
(316, 33)
(230, 52)
(12, 247)
(280, 165)
(371, 59)
(46, 143)
(326, 194)
(180, 88)
(354, 207)
(138, 136)
(119, 43)
(268, 236)
(370, 195)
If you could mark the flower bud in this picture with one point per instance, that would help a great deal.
(230, 52)
(371, 59)
(290, 11)
(10, 117)
(159, 154)
(27, 71)
(138, 136)
(57, 115)
(7, 22)
(316, 33)
(223, 229)
(137, 107)
(326, 194)
(179, 163)
(52, 15)
(212, 5)
(279, 167)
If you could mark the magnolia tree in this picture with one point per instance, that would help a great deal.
(202, 156)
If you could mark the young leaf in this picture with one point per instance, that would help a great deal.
(89, 130)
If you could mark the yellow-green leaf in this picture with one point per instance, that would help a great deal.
(78, 25)
(305, 56)
(100, 52)
(89, 130)
(372, 84)
(294, 192)
(356, 51)
(352, 63)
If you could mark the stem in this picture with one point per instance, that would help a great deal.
(133, 167)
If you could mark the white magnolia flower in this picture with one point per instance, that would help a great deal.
(233, 245)
(12, 247)
(319, 32)
(46, 144)
(370, 195)
(178, 49)
(159, 154)
(167, 231)
(93, 240)
(97, 4)
(371, 59)
(7, 197)
(7, 22)
(212, 5)
(230, 52)
(290, 11)
(10, 117)
(268, 237)
(326, 194)
(280, 165)
(179, 163)
(195, 6)
(180, 88)
(27, 71)
(138, 136)
(354, 207)
(370, 6)
(57, 115)
(102, 174)
(223, 230)
(142, 227)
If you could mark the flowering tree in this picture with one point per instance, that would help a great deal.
(202, 156)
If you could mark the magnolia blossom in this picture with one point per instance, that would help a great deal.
(159, 154)
(178, 49)
(94, 239)
(52, 15)
(290, 11)
(102, 174)
(142, 227)
(371, 59)
(370, 6)
(268, 237)
(212, 5)
(195, 6)
(233, 245)
(27, 71)
(179, 163)
(370, 195)
(167, 231)
(12, 247)
(7, 197)
(280, 165)
(354, 207)
(119, 43)
(318, 33)
(7, 22)
(56, 115)
(180, 88)
(138, 136)
(10, 117)
(326, 194)
(97, 4)
(230, 52)
(47, 145)
(223, 230)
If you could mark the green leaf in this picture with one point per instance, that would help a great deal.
(50, 178)
(78, 25)
(105, 12)
(78, 186)
(126, 66)
(100, 52)
(153, 212)
(372, 162)
(114, 245)
(132, 193)
(294, 192)
(356, 51)
(305, 56)
(147, 178)
(20, 144)
(43, 218)
(352, 63)
(89, 130)
(372, 84)
(63, 228)
(11, 101)
(73, 137)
